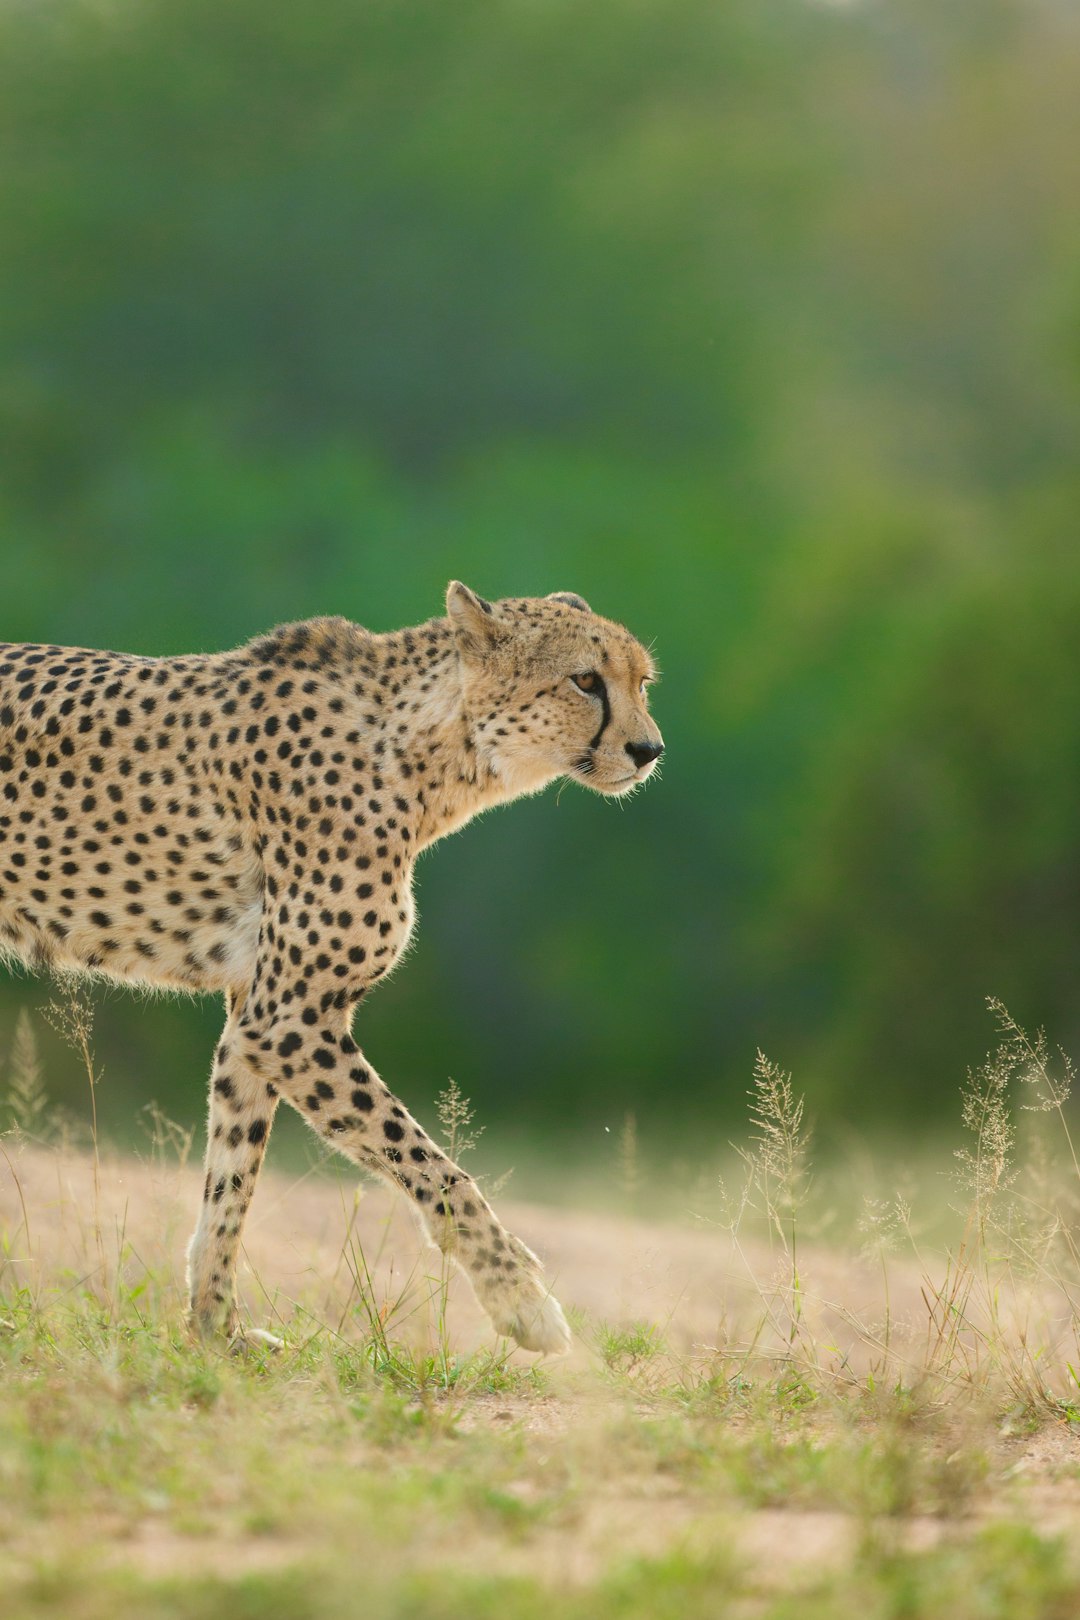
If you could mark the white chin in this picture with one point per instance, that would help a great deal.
(612, 787)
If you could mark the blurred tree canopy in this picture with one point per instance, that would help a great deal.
(758, 324)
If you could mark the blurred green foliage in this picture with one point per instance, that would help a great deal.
(758, 324)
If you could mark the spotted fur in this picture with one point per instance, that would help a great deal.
(247, 822)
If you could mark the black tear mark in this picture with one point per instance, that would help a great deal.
(605, 720)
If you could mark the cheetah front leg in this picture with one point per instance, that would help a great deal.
(506, 1276)
(242, 1110)
(320, 1069)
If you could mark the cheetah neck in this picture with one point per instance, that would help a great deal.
(428, 738)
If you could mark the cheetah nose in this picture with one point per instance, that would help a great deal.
(643, 754)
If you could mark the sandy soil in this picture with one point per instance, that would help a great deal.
(305, 1237)
(304, 1242)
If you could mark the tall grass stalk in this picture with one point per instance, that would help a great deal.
(999, 1317)
(27, 1099)
(774, 1188)
(71, 1014)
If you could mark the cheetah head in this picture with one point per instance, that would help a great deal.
(554, 690)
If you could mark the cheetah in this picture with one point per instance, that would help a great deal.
(247, 823)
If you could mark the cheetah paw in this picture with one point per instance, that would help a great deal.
(254, 1341)
(536, 1322)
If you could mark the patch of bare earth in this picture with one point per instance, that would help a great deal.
(316, 1241)
(309, 1238)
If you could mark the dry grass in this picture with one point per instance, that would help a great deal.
(753, 1421)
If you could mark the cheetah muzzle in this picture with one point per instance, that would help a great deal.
(247, 823)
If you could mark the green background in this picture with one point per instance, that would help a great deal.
(758, 324)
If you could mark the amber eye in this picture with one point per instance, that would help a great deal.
(587, 682)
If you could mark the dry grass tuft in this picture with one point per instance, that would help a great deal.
(852, 1422)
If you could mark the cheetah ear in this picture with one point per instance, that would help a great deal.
(572, 599)
(472, 620)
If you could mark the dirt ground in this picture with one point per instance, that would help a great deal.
(691, 1280)
(303, 1244)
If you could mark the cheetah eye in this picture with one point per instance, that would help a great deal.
(588, 682)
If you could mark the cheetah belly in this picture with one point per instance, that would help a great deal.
(126, 909)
